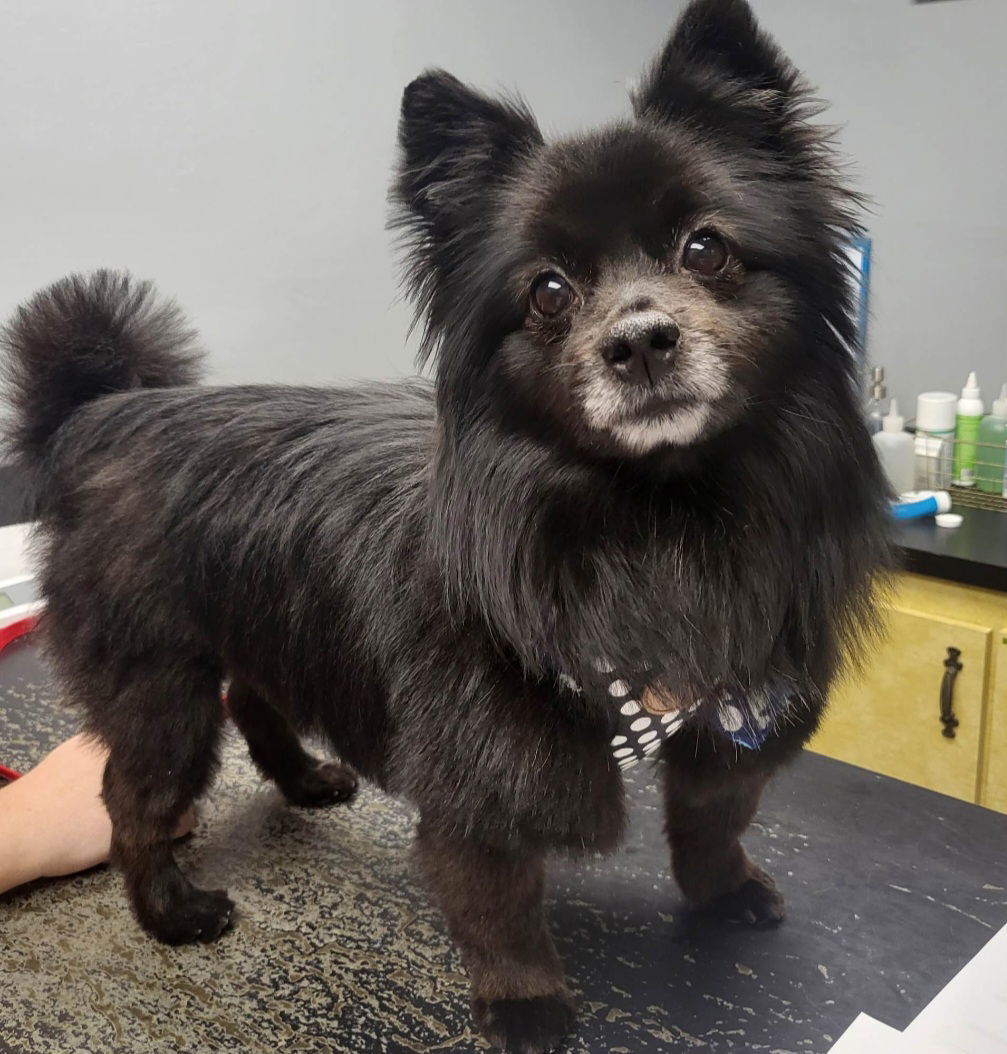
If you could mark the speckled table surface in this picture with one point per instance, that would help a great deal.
(890, 888)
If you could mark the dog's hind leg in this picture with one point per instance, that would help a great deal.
(276, 750)
(162, 726)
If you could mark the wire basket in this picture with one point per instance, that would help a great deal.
(972, 473)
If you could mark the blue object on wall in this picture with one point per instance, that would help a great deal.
(860, 260)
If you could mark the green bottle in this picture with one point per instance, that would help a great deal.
(970, 414)
(991, 476)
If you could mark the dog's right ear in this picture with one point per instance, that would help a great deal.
(456, 145)
(456, 148)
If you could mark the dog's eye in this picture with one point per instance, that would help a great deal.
(551, 294)
(705, 253)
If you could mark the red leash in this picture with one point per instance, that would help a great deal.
(8, 635)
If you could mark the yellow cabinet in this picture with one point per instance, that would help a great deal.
(887, 716)
(993, 786)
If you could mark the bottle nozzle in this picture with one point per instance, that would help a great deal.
(893, 421)
(1000, 405)
(971, 389)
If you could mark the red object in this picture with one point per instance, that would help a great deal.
(8, 635)
(16, 630)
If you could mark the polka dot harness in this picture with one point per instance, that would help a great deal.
(746, 720)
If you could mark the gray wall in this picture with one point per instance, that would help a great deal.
(921, 91)
(238, 151)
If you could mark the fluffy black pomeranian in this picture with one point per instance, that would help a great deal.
(637, 501)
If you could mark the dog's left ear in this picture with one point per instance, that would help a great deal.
(717, 54)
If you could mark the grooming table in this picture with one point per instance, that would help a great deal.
(890, 890)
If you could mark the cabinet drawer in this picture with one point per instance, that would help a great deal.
(887, 717)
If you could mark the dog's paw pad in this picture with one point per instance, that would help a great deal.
(526, 1026)
(324, 783)
(202, 915)
(757, 902)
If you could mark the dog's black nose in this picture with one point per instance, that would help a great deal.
(640, 348)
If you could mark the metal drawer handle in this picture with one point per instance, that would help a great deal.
(952, 667)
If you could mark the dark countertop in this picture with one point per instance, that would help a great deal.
(891, 889)
(974, 554)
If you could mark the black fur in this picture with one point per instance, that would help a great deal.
(81, 339)
(408, 568)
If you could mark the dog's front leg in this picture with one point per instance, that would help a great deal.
(708, 806)
(492, 900)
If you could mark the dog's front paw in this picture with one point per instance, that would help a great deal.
(324, 783)
(526, 1026)
(757, 901)
(198, 915)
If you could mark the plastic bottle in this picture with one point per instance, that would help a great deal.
(991, 475)
(967, 419)
(874, 410)
(895, 450)
(915, 506)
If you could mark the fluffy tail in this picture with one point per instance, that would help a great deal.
(82, 338)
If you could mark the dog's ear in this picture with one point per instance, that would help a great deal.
(456, 145)
(717, 54)
(456, 149)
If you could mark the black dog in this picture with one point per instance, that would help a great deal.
(640, 476)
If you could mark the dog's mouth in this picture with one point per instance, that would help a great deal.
(680, 422)
(643, 420)
(656, 404)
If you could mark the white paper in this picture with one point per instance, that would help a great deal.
(969, 1015)
(868, 1036)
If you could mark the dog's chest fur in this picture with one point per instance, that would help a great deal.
(668, 589)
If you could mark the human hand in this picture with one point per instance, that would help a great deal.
(53, 820)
